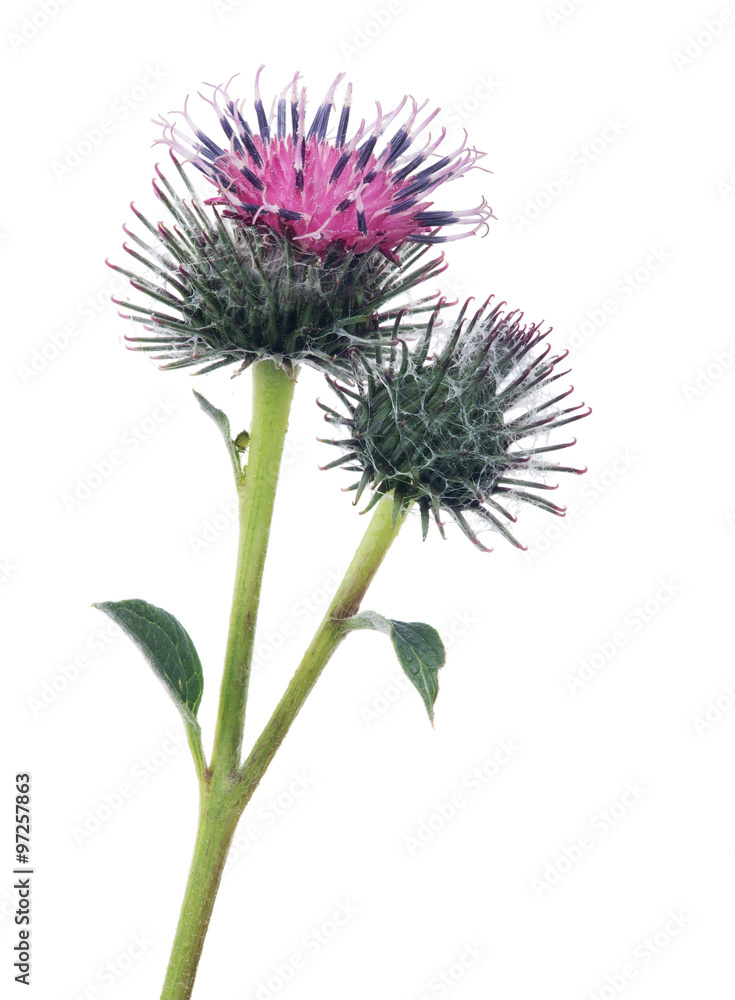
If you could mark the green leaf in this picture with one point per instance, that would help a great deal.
(223, 422)
(418, 647)
(167, 646)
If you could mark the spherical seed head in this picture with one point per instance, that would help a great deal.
(464, 430)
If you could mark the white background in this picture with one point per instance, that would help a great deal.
(643, 230)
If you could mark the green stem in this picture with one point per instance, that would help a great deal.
(224, 799)
(218, 818)
(272, 395)
(220, 808)
(373, 548)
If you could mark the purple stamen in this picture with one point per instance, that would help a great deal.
(257, 167)
(344, 119)
(251, 178)
(265, 132)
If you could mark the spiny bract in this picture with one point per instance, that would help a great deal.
(223, 293)
(456, 431)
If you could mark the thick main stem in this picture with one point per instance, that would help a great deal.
(220, 808)
(272, 395)
(218, 819)
(378, 538)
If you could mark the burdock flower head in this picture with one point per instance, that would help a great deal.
(465, 430)
(307, 238)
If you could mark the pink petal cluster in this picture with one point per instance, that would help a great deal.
(319, 191)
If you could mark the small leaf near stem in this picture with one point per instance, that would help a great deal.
(234, 448)
(168, 647)
(418, 647)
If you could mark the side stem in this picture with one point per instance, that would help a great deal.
(380, 535)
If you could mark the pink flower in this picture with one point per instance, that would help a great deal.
(318, 191)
